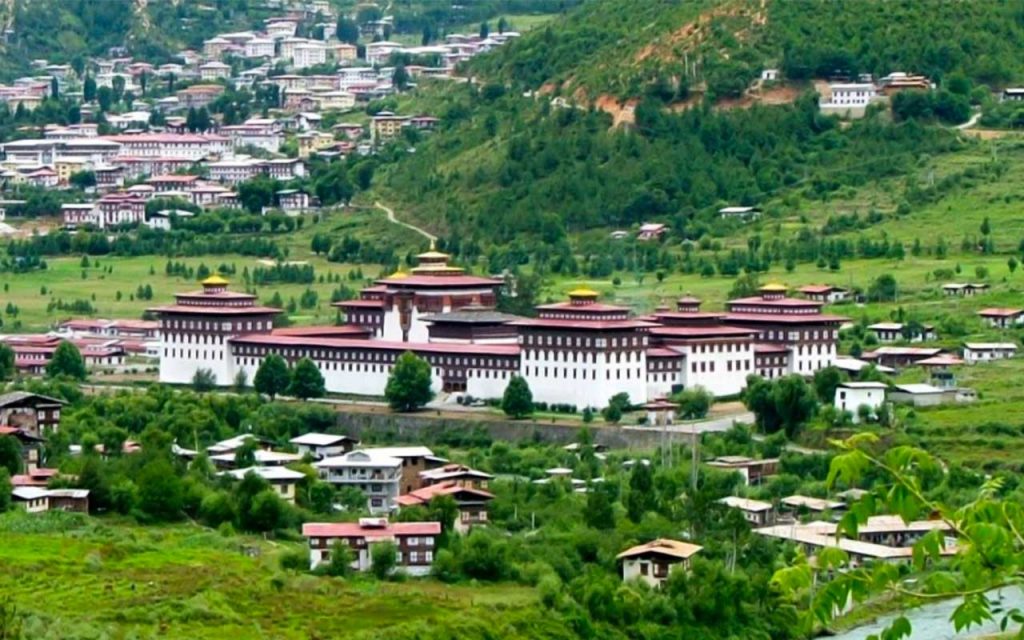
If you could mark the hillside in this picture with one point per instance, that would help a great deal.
(673, 46)
(514, 163)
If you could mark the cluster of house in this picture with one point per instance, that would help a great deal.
(102, 343)
(578, 352)
(851, 99)
(29, 418)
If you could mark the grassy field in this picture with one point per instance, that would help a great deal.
(117, 580)
(66, 280)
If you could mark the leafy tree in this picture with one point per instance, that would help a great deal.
(204, 380)
(340, 564)
(216, 509)
(485, 30)
(241, 382)
(347, 30)
(82, 179)
(307, 381)
(783, 404)
(321, 497)
(272, 377)
(89, 89)
(10, 454)
(113, 439)
(825, 383)
(600, 512)
(641, 497)
(612, 414)
(245, 455)
(93, 476)
(400, 77)
(160, 490)
(408, 386)
(267, 512)
(66, 361)
(384, 557)
(5, 504)
(883, 289)
(7, 369)
(321, 243)
(1011, 264)
(693, 403)
(517, 402)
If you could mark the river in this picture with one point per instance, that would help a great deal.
(931, 621)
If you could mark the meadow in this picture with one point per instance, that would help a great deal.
(76, 577)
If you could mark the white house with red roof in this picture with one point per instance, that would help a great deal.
(415, 542)
(472, 503)
(1002, 318)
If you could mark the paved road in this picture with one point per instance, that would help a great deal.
(391, 218)
(722, 423)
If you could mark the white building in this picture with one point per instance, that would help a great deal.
(654, 561)
(849, 99)
(377, 475)
(414, 542)
(975, 352)
(214, 70)
(260, 48)
(281, 479)
(851, 396)
(378, 53)
(323, 445)
(308, 54)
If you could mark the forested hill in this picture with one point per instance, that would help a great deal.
(624, 48)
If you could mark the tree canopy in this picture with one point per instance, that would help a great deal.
(408, 386)
(272, 377)
(67, 361)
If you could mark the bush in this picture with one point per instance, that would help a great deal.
(294, 560)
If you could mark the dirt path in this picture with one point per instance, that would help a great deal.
(392, 219)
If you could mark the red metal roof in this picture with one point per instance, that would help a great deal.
(590, 307)
(776, 302)
(761, 347)
(381, 345)
(376, 304)
(213, 311)
(820, 288)
(785, 318)
(355, 530)
(447, 488)
(703, 332)
(342, 330)
(586, 325)
(663, 352)
(998, 311)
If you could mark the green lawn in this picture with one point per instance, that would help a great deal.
(116, 580)
(63, 280)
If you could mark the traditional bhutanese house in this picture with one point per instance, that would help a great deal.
(323, 445)
(797, 504)
(35, 413)
(824, 293)
(76, 500)
(653, 561)
(37, 477)
(975, 352)
(282, 479)
(472, 503)
(939, 369)
(416, 542)
(1002, 318)
(31, 444)
(457, 473)
(756, 512)
(31, 499)
(897, 357)
(967, 289)
(896, 331)
(753, 471)
(854, 366)
(472, 325)
(918, 395)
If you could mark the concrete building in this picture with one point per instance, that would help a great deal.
(975, 352)
(415, 542)
(851, 396)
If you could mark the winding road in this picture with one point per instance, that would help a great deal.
(391, 218)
